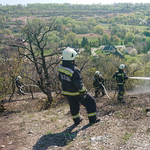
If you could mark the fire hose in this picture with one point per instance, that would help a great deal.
(106, 91)
(24, 86)
(29, 85)
(140, 78)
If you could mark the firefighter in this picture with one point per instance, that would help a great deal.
(74, 89)
(121, 77)
(19, 85)
(98, 84)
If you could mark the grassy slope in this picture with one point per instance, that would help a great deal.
(121, 126)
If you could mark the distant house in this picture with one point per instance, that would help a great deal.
(120, 47)
(109, 48)
(117, 53)
(131, 50)
(113, 50)
(148, 23)
(142, 43)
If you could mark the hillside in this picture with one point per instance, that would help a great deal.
(24, 126)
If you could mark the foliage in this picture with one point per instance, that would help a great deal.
(118, 23)
(146, 33)
(71, 38)
(84, 42)
(36, 37)
(10, 68)
(99, 29)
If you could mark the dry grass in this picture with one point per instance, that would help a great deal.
(25, 126)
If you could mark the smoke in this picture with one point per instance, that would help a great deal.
(141, 88)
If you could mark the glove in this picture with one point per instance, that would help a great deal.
(126, 77)
(83, 97)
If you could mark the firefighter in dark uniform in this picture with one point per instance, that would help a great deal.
(74, 89)
(98, 84)
(121, 77)
(19, 85)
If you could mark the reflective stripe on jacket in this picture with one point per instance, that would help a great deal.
(120, 77)
(97, 81)
(71, 80)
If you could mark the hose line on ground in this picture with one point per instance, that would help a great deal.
(106, 91)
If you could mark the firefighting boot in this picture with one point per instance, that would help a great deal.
(103, 93)
(120, 100)
(77, 120)
(93, 120)
(123, 102)
(95, 96)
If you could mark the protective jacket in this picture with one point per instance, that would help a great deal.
(120, 77)
(19, 86)
(18, 83)
(71, 79)
(76, 93)
(98, 81)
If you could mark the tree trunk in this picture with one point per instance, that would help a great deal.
(49, 98)
(2, 109)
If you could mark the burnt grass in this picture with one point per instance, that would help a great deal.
(25, 125)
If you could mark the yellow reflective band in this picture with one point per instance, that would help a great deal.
(120, 83)
(92, 114)
(76, 116)
(83, 89)
(65, 72)
(120, 96)
(70, 93)
(120, 74)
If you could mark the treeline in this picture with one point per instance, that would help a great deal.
(71, 20)
(67, 9)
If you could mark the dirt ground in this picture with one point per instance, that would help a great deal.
(25, 126)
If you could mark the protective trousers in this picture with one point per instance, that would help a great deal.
(88, 102)
(98, 89)
(97, 92)
(120, 93)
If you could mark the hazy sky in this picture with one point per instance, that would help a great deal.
(15, 2)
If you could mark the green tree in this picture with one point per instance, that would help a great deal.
(100, 41)
(129, 36)
(1, 23)
(84, 42)
(105, 39)
(71, 38)
(99, 29)
(5, 31)
(87, 49)
(116, 39)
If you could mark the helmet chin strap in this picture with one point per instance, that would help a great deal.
(73, 62)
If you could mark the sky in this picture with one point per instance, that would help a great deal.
(23, 2)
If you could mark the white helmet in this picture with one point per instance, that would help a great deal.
(69, 54)
(19, 77)
(122, 66)
(97, 72)
(100, 75)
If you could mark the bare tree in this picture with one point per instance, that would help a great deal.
(34, 47)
